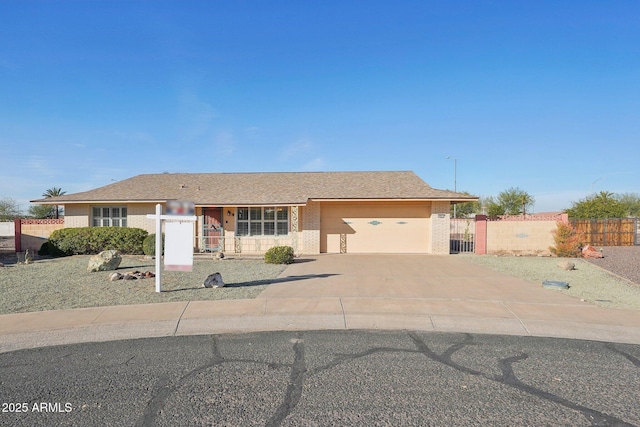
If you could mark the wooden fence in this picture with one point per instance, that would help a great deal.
(608, 232)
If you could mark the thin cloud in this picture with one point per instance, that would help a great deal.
(315, 165)
(197, 116)
(135, 136)
(301, 147)
(224, 143)
(8, 65)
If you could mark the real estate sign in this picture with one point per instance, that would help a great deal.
(178, 246)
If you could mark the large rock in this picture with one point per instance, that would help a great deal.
(214, 281)
(105, 261)
(591, 252)
(567, 265)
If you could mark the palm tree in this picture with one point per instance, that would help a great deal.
(54, 192)
(527, 200)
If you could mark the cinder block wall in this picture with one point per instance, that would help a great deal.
(34, 232)
(520, 237)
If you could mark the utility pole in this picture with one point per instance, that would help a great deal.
(455, 181)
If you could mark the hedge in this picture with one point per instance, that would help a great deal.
(93, 240)
(279, 255)
(149, 244)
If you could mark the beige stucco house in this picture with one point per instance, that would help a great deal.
(315, 212)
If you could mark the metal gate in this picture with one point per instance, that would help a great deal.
(212, 230)
(462, 235)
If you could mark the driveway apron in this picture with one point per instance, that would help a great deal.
(404, 276)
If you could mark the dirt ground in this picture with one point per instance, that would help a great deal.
(7, 244)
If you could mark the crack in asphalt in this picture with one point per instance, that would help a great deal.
(510, 379)
(296, 383)
(164, 387)
(634, 360)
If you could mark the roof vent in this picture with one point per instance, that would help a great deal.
(183, 186)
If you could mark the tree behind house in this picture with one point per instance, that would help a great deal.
(597, 206)
(54, 192)
(513, 201)
(9, 209)
(42, 211)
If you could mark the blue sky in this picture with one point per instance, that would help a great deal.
(541, 95)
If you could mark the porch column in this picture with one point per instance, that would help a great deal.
(311, 228)
(440, 228)
(294, 229)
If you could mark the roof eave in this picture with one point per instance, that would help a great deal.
(98, 201)
(386, 199)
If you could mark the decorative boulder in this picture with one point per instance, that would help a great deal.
(591, 252)
(115, 276)
(105, 261)
(567, 265)
(214, 281)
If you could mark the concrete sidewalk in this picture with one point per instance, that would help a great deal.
(427, 293)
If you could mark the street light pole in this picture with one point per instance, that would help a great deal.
(594, 183)
(455, 181)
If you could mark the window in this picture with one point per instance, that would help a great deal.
(109, 216)
(267, 221)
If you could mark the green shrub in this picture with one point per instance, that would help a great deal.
(568, 241)
(279, 255)
(49, 248)
(149, 245)
(93, 240)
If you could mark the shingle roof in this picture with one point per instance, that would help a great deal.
(237, 189)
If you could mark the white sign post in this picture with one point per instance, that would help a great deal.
(178, 248)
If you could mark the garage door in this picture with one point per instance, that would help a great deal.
(370, 227)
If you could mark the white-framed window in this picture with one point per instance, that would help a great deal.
(109, 216)
(263, 221)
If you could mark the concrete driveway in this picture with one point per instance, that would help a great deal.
(401, 292)
(405, 276)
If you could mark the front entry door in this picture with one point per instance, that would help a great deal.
(212, 229)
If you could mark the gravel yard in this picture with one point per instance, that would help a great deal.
(52, 284)
(622, 260)
(61, 283)
(587, 282)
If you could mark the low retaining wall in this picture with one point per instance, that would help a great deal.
(32, 233)
(7, 229)
(517, 234)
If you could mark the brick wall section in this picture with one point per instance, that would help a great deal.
(481, 235)
(440, 228)
(516, 234)
(311, 228)
(34, 232)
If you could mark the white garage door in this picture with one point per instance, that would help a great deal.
(370, 227)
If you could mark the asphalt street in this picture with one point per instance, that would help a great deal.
(321, 378)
